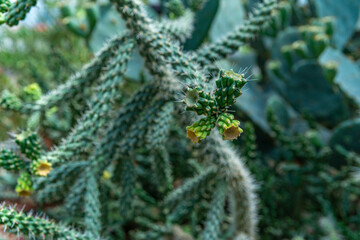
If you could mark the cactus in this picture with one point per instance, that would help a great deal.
(201, 129)
(34, 225)
(17, 11)
(228, 88)
(10, 101)
(24, 185)
(31, 93)
(228, 127)
(10, 161)
(108, 150)
(29, 145)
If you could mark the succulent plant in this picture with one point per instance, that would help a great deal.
(109, 146)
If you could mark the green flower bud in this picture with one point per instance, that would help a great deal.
(31, 93)
(24, 185)
(228, 126)
(29, 144)
(200, 102)
(9, 101)
(10, 161)
(4, 6)
(176, 8)
(201, 129)
(228, 88)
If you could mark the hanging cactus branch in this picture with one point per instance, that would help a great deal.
(215, 105)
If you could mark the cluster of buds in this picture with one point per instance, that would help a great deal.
(26, 160)
(10, 101)
(4, 7)
(29, 94)
(215, 106)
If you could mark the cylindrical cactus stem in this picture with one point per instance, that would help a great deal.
(18, 11)
(242, 196)
(37, 227)
(24, 185)
(228, 126)
(250, 147)
(10, 161)
(29, 144)
(228, 88)
(4, 5)
(201, 129)
(40, 168)
(199, 101)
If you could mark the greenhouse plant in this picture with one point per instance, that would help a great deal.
(180, 119)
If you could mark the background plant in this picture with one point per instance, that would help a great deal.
(107, 150)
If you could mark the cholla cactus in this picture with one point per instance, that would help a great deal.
(25, 158)
(24, 185)
(201, 129)
(113, 138)
(16, 11)
(214, 105)
(29, 144)
(10, 101)
(31, 93)
(228, 127)
(10, 161)
(35, 226)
